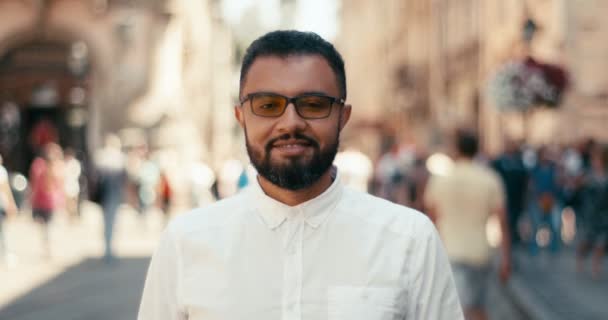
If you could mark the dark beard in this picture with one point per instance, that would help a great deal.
(298, 173)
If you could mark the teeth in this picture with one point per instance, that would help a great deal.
(292, 145)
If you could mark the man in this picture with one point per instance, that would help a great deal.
(510, 166)
(461, 203)
(297, 244)
(544, 207)
(110, 181)
(47, 192)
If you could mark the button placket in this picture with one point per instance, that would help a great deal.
(292, 273)
(298, 258)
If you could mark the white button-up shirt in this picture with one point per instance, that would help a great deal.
(343, 255)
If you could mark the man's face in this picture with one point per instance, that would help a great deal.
(290, 151)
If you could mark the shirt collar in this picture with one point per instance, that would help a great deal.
(314, 211)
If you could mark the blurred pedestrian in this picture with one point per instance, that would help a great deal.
(544, 206)
(392, 173)
(419, 176)
(43, 133)
(586, 147)
(47, 186)
(148, 178)
(165, 194)
(573, 174)
(201, 178)
(510, 166)
(73, 172)
(8, 209)
(111, 177)
(296, 243)
(134, 158)
(595, 211)
(461, 203)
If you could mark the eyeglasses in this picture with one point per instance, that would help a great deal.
(308, 106)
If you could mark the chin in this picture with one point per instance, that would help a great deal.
(299, 161)
(287, 159)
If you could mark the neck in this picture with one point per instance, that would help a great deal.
(295, 197)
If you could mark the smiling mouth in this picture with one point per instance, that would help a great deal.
(291, 148)
(282, 143)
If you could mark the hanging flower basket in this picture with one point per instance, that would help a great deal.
(522, 85)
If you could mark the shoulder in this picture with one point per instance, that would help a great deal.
(434, 186)
(491, 175)
(486, 170)
(216, 215)
(436, 179)
(484, 173)
(374, 211)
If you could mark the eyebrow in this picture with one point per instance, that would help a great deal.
(297, 95)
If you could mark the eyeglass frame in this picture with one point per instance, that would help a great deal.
(292, 100)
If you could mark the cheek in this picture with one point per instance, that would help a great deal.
(326, 134)
(258, 132)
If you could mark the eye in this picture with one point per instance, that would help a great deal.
(267, 106)
(314, 102)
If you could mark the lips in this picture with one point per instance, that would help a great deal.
(292, 146)
(291, 143)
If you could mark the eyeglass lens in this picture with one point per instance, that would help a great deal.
(310, 107)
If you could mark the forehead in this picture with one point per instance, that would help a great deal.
(291, 75)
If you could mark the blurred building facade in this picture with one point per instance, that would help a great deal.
(409, 74)
(417, 68)
(586, 107)
(160, 68)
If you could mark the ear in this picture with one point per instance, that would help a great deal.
(239, 115)
(345, 116)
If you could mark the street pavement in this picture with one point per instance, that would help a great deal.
(548, 287)
(74, 278)
(91, 290)
(501, 305)
(76, 284)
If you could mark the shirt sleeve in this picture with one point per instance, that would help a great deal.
(433, 291)
(160, 298)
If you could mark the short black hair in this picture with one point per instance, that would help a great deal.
(284, 43)
(467, 143)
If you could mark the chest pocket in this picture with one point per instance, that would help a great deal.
(365, 303)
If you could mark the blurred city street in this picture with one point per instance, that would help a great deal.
(548, 287)
(87, 290)
(488, 116)
(75, 283)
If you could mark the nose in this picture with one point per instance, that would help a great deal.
(290, 120)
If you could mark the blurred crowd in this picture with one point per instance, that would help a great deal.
(59, 181)
(554, 194)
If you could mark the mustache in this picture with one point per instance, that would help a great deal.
(288, 136)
